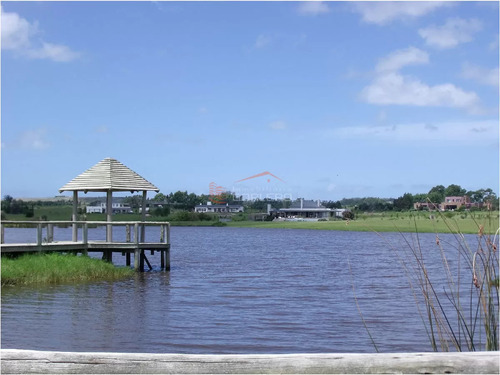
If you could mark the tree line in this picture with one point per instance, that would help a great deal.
(183, 200)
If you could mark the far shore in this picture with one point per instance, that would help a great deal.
(485, 222)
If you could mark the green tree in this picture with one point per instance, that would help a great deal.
(420, 198)
(160, 198)
(7, 203)
(332, 204)
(436, 194)
(404, 202)
(134, 201)
(454, 191)
(347, 215)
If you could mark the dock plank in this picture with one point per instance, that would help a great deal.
(42, 362)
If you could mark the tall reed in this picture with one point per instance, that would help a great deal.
(458, 300)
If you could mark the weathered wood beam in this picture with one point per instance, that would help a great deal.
(35, 362)
(74, 217)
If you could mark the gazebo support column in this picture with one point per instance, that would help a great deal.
(74, 217)
(107, 254)
(143, 228)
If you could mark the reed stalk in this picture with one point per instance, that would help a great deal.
(459, 314)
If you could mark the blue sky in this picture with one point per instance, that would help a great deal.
(337, 99)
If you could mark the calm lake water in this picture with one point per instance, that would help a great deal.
(234, 290)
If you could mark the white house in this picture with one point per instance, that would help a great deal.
(118, 208)
(219, 208)
(308, 209)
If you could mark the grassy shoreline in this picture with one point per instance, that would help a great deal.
(378, 225)
(54, 268)
(389, 221)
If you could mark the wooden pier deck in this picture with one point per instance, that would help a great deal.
(42, 362)
(134, 240)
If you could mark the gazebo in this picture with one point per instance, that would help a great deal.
(109, 175)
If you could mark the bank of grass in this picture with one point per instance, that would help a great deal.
(57, 268)
(394, 222)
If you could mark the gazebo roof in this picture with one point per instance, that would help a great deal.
(109, 175)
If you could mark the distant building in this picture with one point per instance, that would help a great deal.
(219, 208)
(100, 208)
(307, 209)
(451, 203)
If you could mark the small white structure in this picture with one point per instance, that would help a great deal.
(219, 208)
(338, 212)
(117, 208)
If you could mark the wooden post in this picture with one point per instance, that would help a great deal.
(143, 215)
(143, 229)
(75, 215)
(50, 232)
(168, 233)
(137, 250)
(127, 254)
(39, 236)
(109, 227)
(127, 232)
(85, 237)
(167, 260)
(141, 260)
(2, 233)
(109, 216)
(147, 261)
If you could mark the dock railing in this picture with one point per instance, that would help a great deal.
(133, 241)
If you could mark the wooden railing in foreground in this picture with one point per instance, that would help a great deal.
(36, 362)
(134, 241)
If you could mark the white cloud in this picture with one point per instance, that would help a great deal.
(395, 88)
(454, 32)
(313, 8)
(392, 87)
(263, 41)
(482, 75)
(54, 52)
(466, 132)
(277, 125)
(18, 35)
(398, 59)
(384, 12)
(16, 31)
(34, 139)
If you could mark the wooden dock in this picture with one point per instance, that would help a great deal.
(44, 362)
(133, 242)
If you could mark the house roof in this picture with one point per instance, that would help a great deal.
(313, 209)
(109, 174)
(306, 204)
(219, 205)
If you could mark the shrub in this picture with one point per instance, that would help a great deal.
(348, 215)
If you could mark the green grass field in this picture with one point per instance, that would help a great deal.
(394, 222)
(463, 222)
(55, 268)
